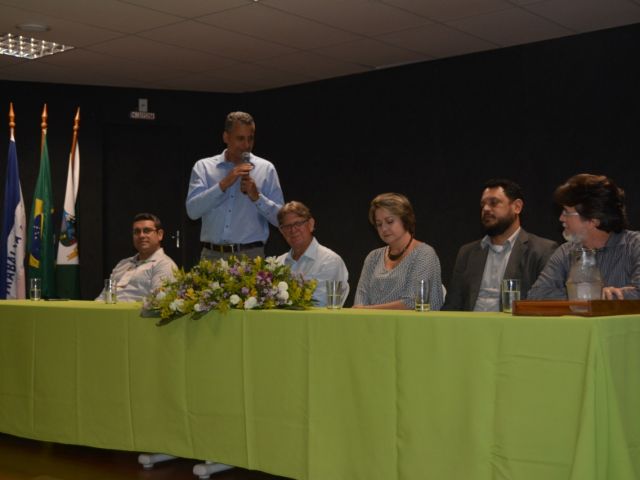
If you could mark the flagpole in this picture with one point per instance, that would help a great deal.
(12, 119)
(76, 128)
(44, 127)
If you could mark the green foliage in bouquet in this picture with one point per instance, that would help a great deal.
(234, 283)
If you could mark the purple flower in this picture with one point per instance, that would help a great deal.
(263, 277)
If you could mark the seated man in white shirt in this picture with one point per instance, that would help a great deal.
(137, 276)
(307, 257)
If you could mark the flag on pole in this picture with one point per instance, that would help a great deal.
(68, 260)
(40, 235)
(13, 239)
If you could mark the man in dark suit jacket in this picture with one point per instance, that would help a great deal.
(506, 251)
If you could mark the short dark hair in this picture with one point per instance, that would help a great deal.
(511, 189)
(398, 205)
(595, 197)
(297, 208)
(237, 117)
(148, 216)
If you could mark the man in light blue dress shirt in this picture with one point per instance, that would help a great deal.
(307, 257)
(235, 194)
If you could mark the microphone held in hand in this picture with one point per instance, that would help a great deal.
(246, 158)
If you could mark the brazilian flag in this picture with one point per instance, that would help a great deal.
(41, 245)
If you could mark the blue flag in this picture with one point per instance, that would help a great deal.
(13, 239)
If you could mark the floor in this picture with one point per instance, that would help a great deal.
(22, 459)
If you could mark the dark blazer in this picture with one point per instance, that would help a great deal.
(528, 257)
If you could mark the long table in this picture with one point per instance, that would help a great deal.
(332, 395)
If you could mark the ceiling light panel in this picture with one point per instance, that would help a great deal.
(28, 47)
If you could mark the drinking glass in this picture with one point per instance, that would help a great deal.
(422, 296)
(110, 291)
(35, 289)
(510, 293)
(334, 294)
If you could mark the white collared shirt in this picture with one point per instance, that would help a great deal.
(319, 263)
(497, 259)
(136, 278)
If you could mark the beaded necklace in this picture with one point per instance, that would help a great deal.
(394, 257)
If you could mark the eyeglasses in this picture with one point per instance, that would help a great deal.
(491, 202)
(290, 226)
(569, 214)
(146, 230)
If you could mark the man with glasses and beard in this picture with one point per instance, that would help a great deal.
(594, 217)
(506, 251)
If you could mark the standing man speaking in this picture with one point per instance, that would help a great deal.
(236, 194)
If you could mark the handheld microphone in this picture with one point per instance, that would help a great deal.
(246, 158)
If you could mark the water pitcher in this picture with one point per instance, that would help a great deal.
(585, 281)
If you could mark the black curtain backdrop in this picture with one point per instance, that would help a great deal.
(434, 131)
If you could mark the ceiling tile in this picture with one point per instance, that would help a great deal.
(447, 10)
(510, 27)
(260, 76)
(210, 39)
(61, 31)
(203, 83)
(360, 16)
(168, 56)
(371, 53)
(266, 23)
(587, 15)
(85, 61)
(80, 59)
(190, 8)
(313, 65)
(7, 61)
(43, 72)
(438, 41)
(110, 14)
(526, 2)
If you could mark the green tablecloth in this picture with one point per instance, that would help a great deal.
(332, 395)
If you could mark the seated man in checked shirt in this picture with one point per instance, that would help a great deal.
(594, 217)
(137, 276)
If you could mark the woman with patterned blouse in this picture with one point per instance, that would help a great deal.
(390, 275)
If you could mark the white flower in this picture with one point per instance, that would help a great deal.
(250, 303)
(176, 305)
(234, 299)
(283, 287)
(199, 307)
(272, 263)
(161, 294)
(283, 295)
(224, 265)
(215, 285)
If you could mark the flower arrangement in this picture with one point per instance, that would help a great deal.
(240, 283)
